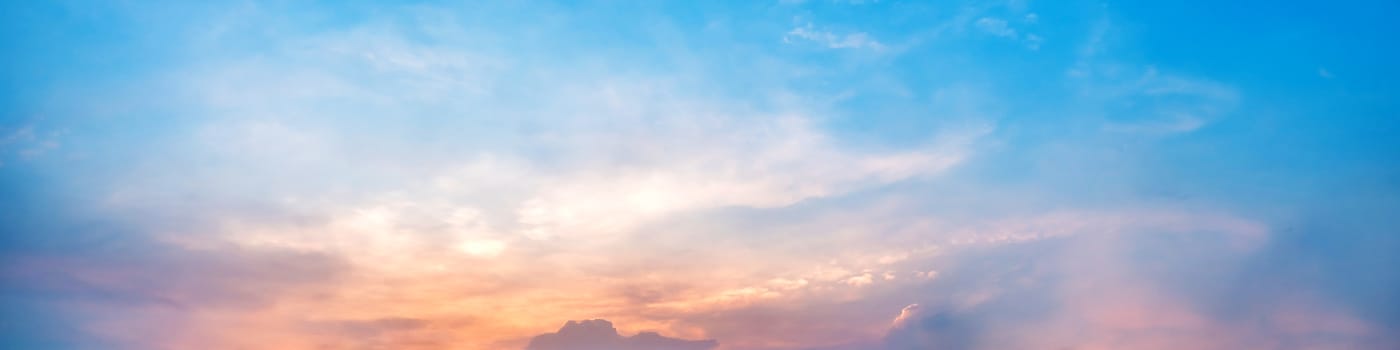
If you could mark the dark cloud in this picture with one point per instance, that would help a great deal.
(600, 335)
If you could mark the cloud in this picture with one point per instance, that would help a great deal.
(844, 283)
(860, 280)
(28, 141)
(1001, 28)
(909, 314)
(1131, 290)
(600, 335)
(435, 177)
(1143, 100)
(1033, 41)
(828, 39)
(996, 27)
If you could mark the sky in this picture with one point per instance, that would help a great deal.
(699, 175)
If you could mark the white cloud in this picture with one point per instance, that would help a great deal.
(860, 280)
(482, 248)
(768, 162)
(1140, 99)
(910, 313)
(996, 27)
(1179, 123)
(927, 275)
(1001, 28)
(29, 141)
(856, 40)
(1033, 41)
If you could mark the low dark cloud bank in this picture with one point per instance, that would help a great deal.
(600, 335)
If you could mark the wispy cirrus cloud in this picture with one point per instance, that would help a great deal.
(832, 40)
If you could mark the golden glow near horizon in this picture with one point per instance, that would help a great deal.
(410, 261)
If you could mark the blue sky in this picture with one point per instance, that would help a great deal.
(814, 174)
